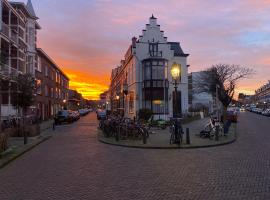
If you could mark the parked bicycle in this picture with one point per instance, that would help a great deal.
(211, 128)
(177, 132)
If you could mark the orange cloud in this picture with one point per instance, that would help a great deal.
(90, 87)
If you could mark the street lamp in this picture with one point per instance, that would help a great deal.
(176, 75)
(64, 102)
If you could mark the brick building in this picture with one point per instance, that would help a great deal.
(52, 87)
(75, 100)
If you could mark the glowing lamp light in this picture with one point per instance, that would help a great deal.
(117, 97)
(157, 102)
(176, 71)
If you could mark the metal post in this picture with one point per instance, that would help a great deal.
(187, 136)
(217, 133)
(175, 100)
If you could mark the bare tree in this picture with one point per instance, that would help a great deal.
(225, 77)
(23, 96)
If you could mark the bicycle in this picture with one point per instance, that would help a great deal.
(176, 135)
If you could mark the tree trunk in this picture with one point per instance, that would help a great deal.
(25, 139)
(224, 118)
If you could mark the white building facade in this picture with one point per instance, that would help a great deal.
(143, 79)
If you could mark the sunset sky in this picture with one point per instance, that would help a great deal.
(88, 38)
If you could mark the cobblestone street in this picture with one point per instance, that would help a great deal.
(74, 165)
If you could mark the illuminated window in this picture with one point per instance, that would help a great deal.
(38, 86)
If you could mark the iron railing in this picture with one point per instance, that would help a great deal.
(5, 29)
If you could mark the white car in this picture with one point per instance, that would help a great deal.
(242, 109)
(266, 112)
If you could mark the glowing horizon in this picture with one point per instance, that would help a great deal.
(92, 40)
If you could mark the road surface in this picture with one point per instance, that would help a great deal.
(74, 165)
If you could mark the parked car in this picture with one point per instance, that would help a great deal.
(83, 112)
(258, 110)
(63, 116)
(101, 114)
(242, 109)
(266, 112)
(75, 115)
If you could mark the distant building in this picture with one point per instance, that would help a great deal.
(197, 99)
(76, 100)
(263, 93)
(52, 87)
(143, 78)
(245, 99)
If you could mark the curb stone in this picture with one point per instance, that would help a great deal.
(102, 140)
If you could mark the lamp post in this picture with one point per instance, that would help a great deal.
(64, 102)
(176, 75)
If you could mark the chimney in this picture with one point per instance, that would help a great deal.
(134, 40)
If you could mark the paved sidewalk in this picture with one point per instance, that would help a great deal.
(161, 138)
(17, 147)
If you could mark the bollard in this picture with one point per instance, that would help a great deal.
(217, 133)
(117, 135)
(187, 136)
(53, 126)
(144, 138)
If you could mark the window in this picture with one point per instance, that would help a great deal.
(131, 102)
(46, 91)
(158, 72)
(56, 93)
(39, 64)
(52, 93)
(38, 86)
(46, 71)
(147, 72)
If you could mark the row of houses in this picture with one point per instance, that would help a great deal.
(20, 55)
(261, 96)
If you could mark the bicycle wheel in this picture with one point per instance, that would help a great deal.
(172, 138)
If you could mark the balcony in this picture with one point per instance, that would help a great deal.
(5, 29)
(4, 70)
(7, 72)
(14, 37)
(156, 54)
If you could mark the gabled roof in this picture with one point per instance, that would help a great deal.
(175, 46)
(43, 53)
(30, 8)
